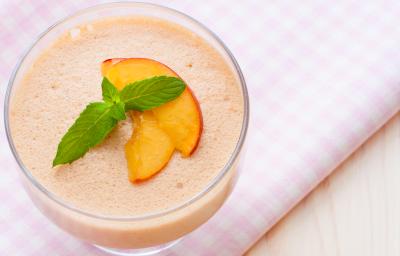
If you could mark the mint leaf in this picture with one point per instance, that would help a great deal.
(152, 92)
(91, 127)
(109, 92)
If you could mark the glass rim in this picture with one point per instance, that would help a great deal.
(186, 203)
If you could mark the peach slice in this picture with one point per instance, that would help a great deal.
(180, 119)
(124, 71)
(149, 149)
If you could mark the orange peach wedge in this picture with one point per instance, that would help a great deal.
(180, 120)
(149, 148)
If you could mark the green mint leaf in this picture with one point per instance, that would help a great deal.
(118, 111)
(152, 92)
(91, 127)
(110, 93)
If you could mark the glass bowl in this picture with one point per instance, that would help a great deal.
(132, 235)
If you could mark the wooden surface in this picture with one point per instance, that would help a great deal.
(355, 211)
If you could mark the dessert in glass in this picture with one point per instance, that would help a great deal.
(160, 173)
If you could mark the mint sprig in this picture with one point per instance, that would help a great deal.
(98, 119)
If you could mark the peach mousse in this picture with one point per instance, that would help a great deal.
(147, 176)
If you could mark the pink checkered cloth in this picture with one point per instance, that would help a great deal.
(322, 78)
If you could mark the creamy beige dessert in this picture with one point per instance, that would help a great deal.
(67, 76)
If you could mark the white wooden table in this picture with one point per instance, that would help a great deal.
(355, 211)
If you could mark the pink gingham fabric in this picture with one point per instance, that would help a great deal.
(322, 78)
